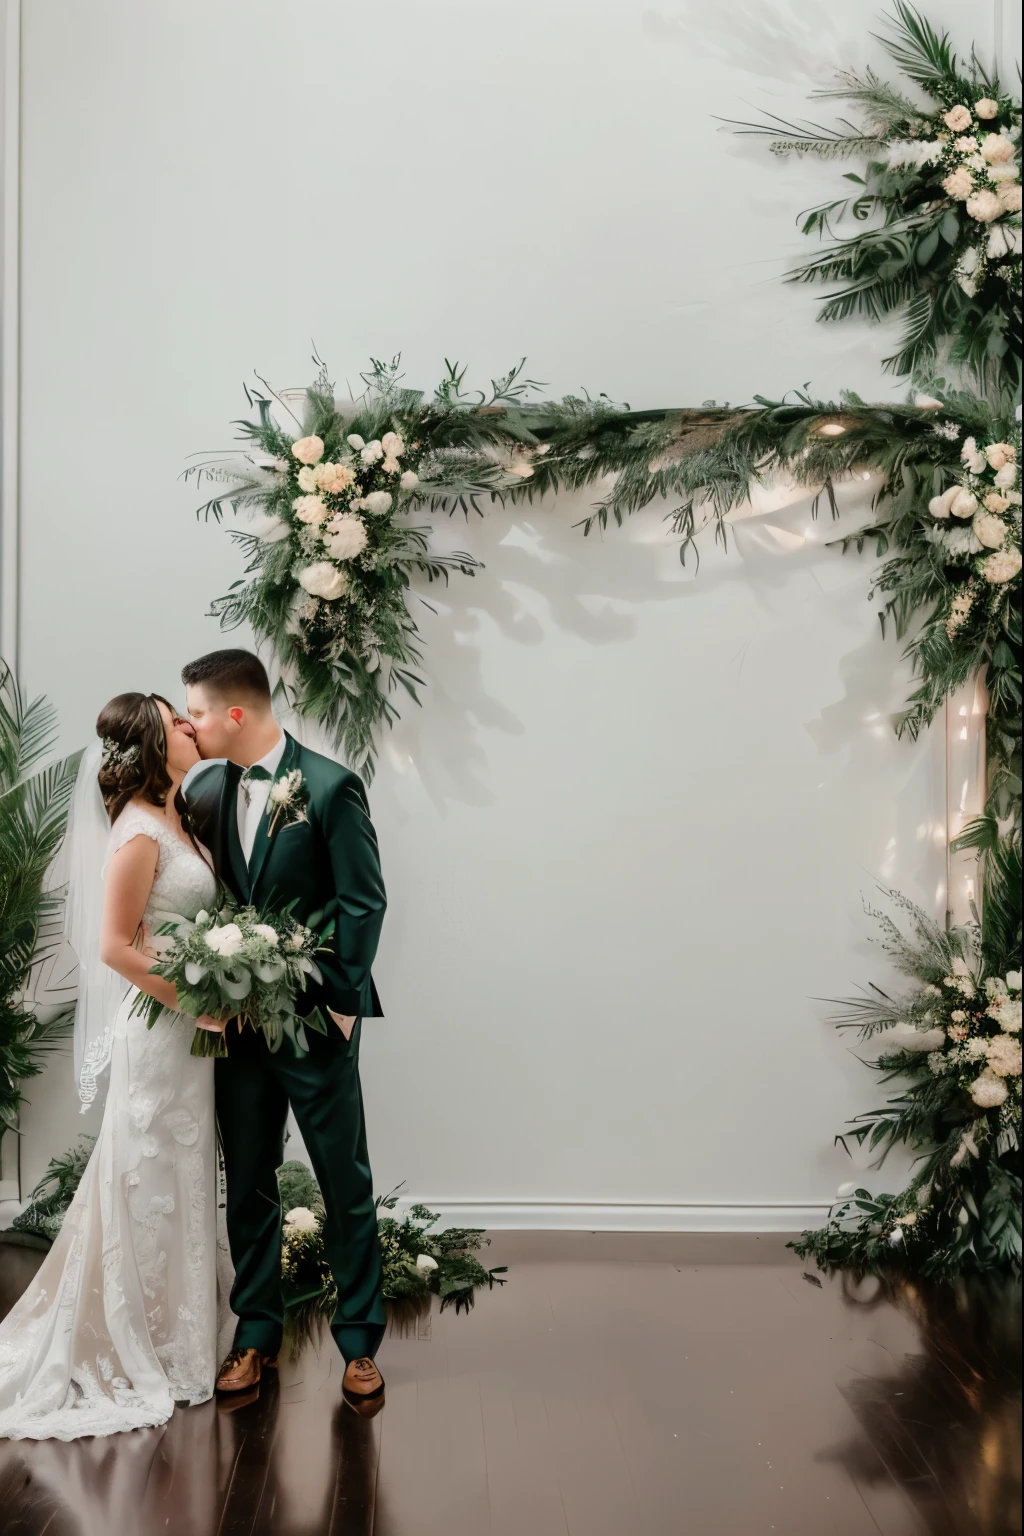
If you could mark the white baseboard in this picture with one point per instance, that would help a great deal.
(599, 1216)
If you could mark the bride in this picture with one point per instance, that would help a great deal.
(120, 1323)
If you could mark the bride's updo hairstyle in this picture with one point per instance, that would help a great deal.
(134, 759)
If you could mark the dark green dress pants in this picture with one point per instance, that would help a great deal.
(253, 1090)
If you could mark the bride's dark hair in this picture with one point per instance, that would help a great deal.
(134, 751)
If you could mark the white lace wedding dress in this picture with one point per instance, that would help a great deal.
(120, 1322)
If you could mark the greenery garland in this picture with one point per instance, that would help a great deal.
(952, 1042)
(34, 804)
(939, 205)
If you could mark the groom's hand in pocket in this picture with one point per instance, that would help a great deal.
(345, 1022)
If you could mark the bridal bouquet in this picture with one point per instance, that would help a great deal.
(238, 963)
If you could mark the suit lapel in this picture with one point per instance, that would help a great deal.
(262, 846)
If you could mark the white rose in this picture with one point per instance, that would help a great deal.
(202, 917)
(939, 505)
(266, 932)
(1012, 978)
(998, 174)
(986, 108)
(378, 502)
(391, 466)
(959, 184)
(310, 509)
(323, 580)
(373, 451)
(301, 1219)
(989, 1091)
(334, 478)
(296, 941)
(1001, 567)
(424, 1263)
(1006, 476)
(393, 445)
(355, 441)
(984, 206)
(963, 504)
(991, 531)
(1000, 454)
(345, 537)
(409, 480)
(307, 478)
(225, 941)
(1010, 197)
(996, 148)
(958, 118)
(1004, 1056)
(308, 450)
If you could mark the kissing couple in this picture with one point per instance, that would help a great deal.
(120, 1325)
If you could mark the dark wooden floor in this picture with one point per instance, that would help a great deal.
(618, 1386)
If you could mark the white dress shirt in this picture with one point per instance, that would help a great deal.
(250, 814)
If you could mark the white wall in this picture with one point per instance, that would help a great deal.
(625, 838)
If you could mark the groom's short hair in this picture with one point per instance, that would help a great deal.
(231, 674)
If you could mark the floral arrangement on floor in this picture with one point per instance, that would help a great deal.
(34, 803)
(939, 204)
(44, 1214)
(952, 1044)
(418, 1262)
(239, 963)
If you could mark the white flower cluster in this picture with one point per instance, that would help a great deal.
(988, 1065)
(980, 516)
(980, 165)
(333, 514)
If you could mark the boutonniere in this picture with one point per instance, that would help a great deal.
(287, 801)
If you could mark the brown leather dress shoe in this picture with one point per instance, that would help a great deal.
(363, 1388)
(240, 1371)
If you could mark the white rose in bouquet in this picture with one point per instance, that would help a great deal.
(425, 1264)
(991, 531)
(984, 206)
(939, 505)
(986, 108)
(308, 479)
(308, 450)
(410, 479)
(959, 184)
(996, 148)
(1000, 454)
(1004, 1056)
(225, 940)
(989, 1091)
(972, 456)
(1006, 477)
(1009, 195)
(323, 580)
(964, 503)
(378, 502)
(371, 452)
(958, 118)
(266, 932)
(310, 509)
(345, 536)
(1003, 566)
(393, 445)
(355, 441)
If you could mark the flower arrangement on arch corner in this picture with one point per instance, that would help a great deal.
(951, 1043)
(939, 204)
(331, 552)
(418, 1262)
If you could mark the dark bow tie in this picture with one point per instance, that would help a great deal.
(253, 775)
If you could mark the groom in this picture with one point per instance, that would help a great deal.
(315, 847)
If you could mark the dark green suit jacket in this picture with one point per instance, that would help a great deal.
(328, 865)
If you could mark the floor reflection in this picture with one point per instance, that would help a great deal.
(624, 1385)
(947, 1425)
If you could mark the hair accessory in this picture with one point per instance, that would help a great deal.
(116, 756)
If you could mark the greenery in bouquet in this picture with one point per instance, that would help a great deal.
(952, 1044)
(939, 205)
(418, 1262)
(240, 963)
